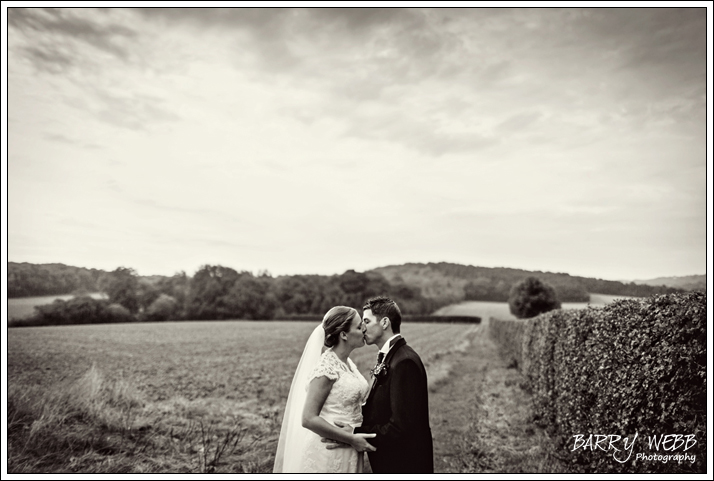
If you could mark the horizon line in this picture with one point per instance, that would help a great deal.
(367, 270)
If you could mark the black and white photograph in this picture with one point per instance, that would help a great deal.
(356, 238)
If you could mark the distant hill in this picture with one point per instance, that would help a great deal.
(688, 283)
(455, 282)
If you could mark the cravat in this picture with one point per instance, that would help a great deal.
(380, 357)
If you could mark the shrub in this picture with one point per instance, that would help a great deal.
(119, 313)
(531, 297)
(79, 310)
(162, 309)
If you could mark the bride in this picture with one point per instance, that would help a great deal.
(327, 388)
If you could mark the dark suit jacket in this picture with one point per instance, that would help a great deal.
(397, 410)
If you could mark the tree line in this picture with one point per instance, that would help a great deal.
(219, 292)
(455, 282)
(25, 279)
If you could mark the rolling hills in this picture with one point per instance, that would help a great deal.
(459, 282)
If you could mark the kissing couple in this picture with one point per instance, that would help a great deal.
(333, 415)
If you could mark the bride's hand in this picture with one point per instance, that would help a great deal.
(360, 443)
(333, 444)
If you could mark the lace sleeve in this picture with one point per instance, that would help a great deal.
(328, 366)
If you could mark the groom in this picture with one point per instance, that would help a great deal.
(397, 408)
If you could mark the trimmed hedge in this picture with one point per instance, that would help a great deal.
(443, 319)
(407, 318)
(300, 317)
(508, 336)
(633, 366)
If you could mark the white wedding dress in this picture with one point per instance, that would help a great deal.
(299, 449)
(343, 405)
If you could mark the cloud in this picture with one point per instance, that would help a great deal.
(656, 36)
(269, 20)
(134, 112)
(519, 122)
(114, 186)
(362, 19)
(82, 224)
(48, 58)
(365, 49)
(280, 22)
(271, 30)
(151, 203)
(649, 53)
(59, 138)
(583, 113)
(423, 136)
(64, 26)
(196, 213)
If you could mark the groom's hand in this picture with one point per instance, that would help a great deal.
(331, 443)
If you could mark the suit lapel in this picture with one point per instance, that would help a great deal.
(395, 345)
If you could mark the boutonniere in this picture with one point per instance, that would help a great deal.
(379, 370)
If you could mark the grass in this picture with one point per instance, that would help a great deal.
(485, 424)
(83, 418)
(95, 426)
(186, 397)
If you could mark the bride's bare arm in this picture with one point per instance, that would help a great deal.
(317, 393)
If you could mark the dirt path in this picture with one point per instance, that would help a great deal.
(479, 415)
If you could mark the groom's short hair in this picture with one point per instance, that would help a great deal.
(383, 306)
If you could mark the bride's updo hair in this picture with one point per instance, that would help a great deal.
(337, 320)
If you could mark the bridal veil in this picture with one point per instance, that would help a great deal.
(288, 457)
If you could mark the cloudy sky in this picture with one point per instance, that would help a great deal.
(320, 140)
